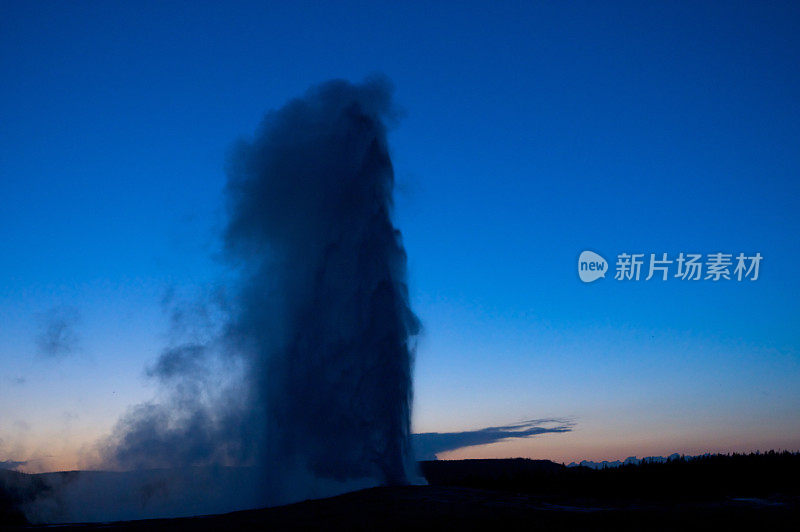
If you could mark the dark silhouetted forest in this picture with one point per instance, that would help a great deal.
(698, 478)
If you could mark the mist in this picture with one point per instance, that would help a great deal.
(294, 379)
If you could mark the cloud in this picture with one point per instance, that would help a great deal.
(428, 444)
(57, 336)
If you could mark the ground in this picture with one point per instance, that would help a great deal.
(446, 508)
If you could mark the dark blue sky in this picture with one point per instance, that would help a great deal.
(530, 132)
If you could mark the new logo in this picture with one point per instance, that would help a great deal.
(591, 266)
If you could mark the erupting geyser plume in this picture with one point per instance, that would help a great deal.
(304, 377)
(323, 312)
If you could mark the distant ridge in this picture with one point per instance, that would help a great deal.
(631, 460)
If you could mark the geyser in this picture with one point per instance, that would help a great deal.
(316, 322)
(322, 310)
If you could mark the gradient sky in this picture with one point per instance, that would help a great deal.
(531, 131)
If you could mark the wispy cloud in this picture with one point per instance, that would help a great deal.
(57, 336)
(428, 444)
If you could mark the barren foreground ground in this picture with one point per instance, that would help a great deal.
(448, 508)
